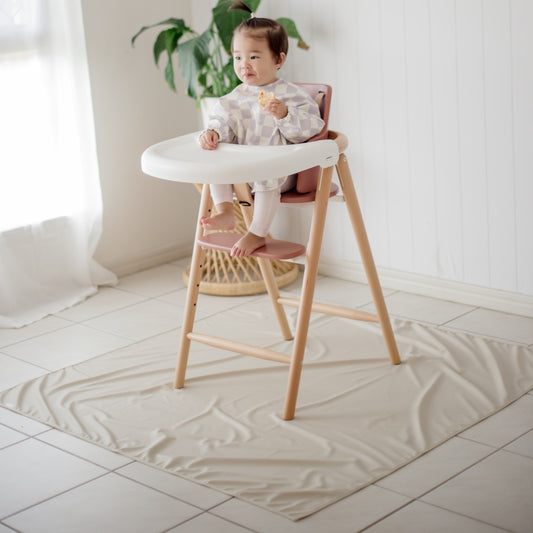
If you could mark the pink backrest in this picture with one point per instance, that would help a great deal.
(307, 179)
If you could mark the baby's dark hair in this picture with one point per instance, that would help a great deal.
(262, 28)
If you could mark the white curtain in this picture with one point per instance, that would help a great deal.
(50, 199)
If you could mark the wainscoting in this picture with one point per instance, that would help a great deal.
(435, 97)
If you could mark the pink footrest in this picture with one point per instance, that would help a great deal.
(273, 249)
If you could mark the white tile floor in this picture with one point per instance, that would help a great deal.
(479, 481)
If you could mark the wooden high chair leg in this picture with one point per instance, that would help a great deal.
(242, 191)
(356, 217)
(195, 276)
(308, 289)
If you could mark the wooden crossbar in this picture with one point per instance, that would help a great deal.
(239, 347)
(335, 310)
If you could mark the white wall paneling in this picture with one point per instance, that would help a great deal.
(472, 146)
(436, 99)
(499, 138)
(521, 14)
(396, 134)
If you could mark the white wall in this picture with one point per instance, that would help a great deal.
(436, 99)
(146, 221)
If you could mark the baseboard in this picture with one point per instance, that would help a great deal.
(148, 259)
(508, 302)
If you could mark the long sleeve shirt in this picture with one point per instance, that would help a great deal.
(239, 119)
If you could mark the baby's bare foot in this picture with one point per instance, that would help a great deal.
(247, 244)
(224, 219)
(220, 221)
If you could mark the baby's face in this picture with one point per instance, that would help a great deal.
(253, 60)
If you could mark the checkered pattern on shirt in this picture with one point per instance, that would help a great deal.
(238, 118)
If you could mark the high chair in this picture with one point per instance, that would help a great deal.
(182, 159)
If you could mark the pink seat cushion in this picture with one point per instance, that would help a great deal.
(307, 179)
(294, 197)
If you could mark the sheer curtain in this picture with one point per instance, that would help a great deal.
(50, 200)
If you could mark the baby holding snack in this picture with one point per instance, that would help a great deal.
(263, 110)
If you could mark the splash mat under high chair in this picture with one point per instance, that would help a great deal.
(358, 418)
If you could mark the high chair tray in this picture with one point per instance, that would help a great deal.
(182, 159)
(273, 249)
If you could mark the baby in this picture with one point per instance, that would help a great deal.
(263, 110)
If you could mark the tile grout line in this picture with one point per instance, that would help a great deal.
(10, 528)
(16, 358)
(227, 519)
(27, 437)
(418, 498)
(64, 326)
(109, 470)
(503, 447)
(120, 308)
(53, 496)
(485, 336)
(387, 515)
(160, 491)
(461, 315)
(114, 470)
(207, 512)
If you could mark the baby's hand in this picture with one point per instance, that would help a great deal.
(209, 140)
(276, 108)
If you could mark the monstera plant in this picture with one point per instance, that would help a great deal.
(204, 59)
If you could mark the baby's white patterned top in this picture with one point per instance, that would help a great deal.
(238, 118)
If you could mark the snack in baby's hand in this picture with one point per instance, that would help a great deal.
(264, 98)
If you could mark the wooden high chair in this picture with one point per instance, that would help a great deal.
(181, 159)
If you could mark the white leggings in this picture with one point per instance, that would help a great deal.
(266, 204)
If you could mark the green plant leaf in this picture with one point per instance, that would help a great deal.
(290, 28)
(201, 58)
(229, 74)
(166, 40)
(192, 58)
(252, 4)
(227, 20)
(169, 74)
(202, 82)
(159, 46)
(179, 24)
